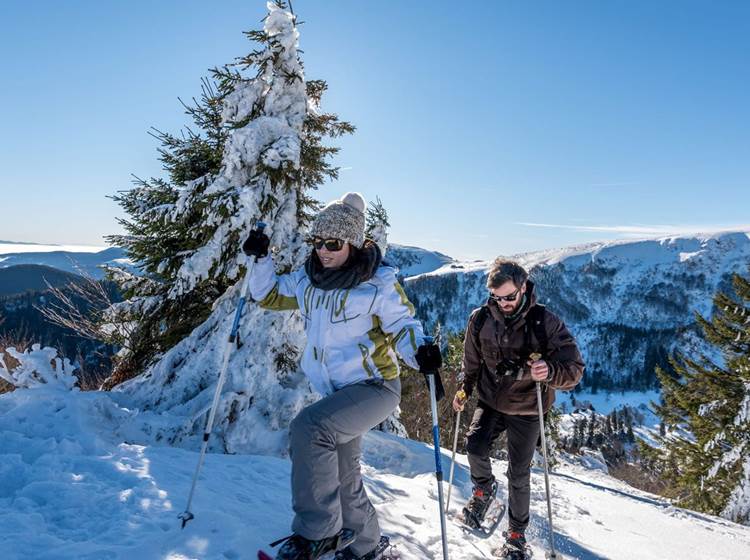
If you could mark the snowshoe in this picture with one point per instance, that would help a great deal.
(296, 547)
(483, 513)
(515, 547)
(384, 551)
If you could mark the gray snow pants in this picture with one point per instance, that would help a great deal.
(523, 433)
(325, 442)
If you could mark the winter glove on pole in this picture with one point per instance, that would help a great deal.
(256, 244)
(430, 361)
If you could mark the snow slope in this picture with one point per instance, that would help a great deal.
(75, 483)
(77, 259)
(412, 261)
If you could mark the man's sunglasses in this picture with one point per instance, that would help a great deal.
(330, 244)
(509, 297)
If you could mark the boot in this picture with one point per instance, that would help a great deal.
(515, 546)
(297, 547)
(375, 554)
(478, 504)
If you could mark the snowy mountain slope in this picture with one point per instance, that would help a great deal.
(412, 261)
(76, 259)
(628, 302)
(73, 486)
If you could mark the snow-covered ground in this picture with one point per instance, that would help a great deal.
(72, 486)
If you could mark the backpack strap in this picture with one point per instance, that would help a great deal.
(535, 318)
(478, 323)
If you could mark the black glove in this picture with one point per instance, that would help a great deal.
(429, 359)
(256, 244)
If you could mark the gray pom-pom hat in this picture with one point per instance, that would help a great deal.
(342, 219)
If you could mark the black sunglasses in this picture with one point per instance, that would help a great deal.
(509, 297)
(330, 244)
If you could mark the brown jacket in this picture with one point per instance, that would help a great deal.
(505, 341)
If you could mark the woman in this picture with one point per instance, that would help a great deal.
(355, 315)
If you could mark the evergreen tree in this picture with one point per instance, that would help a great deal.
(630, 434)
(377, 224)
(554, 439)
(591, 430)
(582, 429)
(266, 121)
(708, 402)
(608, 425)
(616, 424)
(255, 151)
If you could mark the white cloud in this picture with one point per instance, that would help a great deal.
(643, 230)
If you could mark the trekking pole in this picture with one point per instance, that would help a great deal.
(456, 428)
(187, 515)
(546, 469)
(438, 462)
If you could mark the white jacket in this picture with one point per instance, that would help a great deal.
(351, 334)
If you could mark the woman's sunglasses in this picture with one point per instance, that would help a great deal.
(509, 297)
(332, 245)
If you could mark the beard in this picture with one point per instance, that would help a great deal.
(510, 310)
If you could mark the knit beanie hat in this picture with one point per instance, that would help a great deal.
(342, 219)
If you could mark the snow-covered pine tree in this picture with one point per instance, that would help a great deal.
(185, 232)
(709, 467)
(377, 224)
(272, 154)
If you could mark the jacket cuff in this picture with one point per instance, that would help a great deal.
(551, 370)
(468, 389)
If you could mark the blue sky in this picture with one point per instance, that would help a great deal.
(486, 127)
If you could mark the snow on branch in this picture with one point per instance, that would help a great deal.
(36, 368)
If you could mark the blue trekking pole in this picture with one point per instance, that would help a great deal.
(187, 515)
(438, 461)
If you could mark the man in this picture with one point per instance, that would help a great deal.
(511, 343)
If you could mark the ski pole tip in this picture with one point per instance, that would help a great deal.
(185, 517)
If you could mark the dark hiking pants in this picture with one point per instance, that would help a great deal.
(523, 433)
(325, 445)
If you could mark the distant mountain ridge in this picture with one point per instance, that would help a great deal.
(24, 278)
(77, 262)
(412, 261)
(409, 260)
(629, 303)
